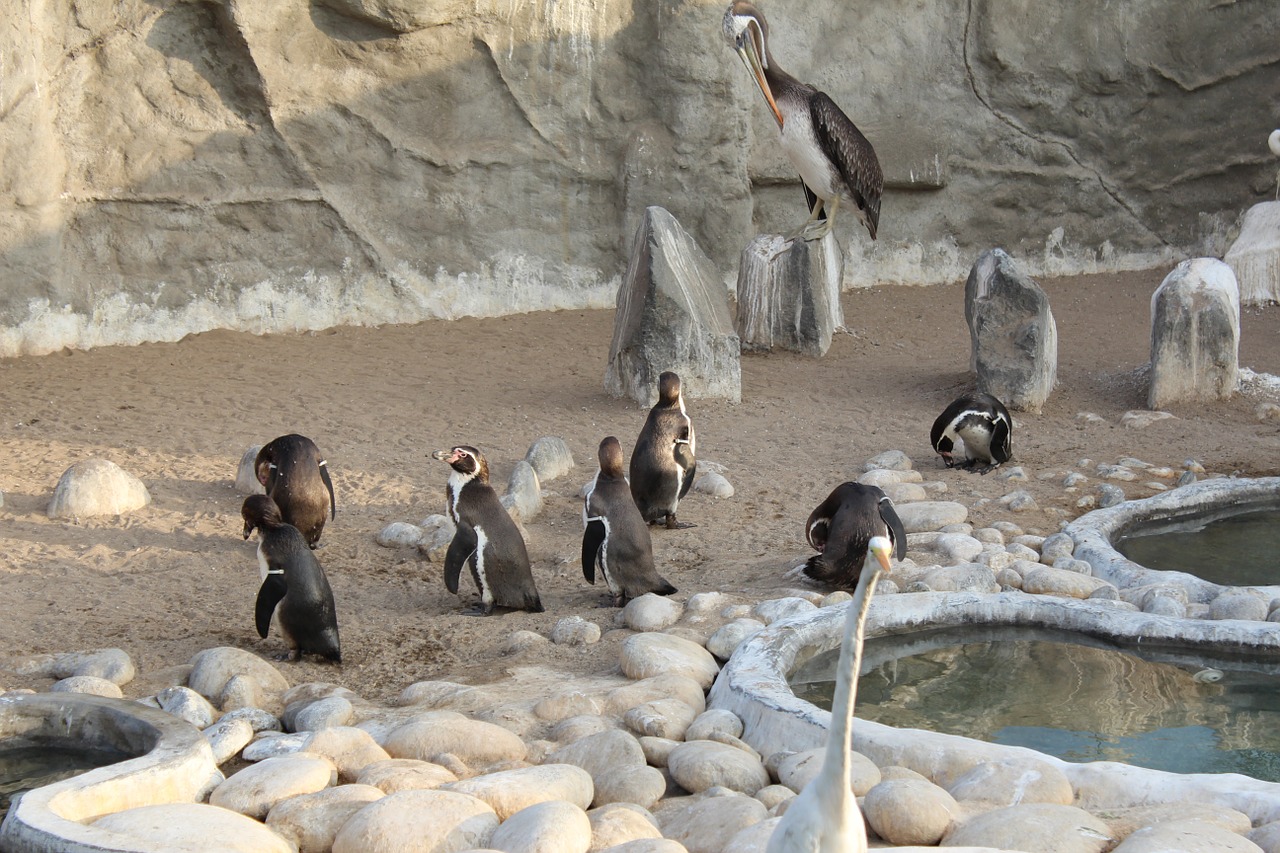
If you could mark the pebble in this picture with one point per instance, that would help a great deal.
(574, 631)
(212, 669)
(228, 737)
(931, 515)
(311, 821)
(94, 487)
(1035, 826)
(1109, 495)
(350, 750)
(713, 484)
(474, 742)
(551, 826)
(665, 718)
(550, 458)
(400, 534)
(272, 745)
(509, 791)
(884, 476)
(651, 612)
(796, 770)
(646, 655)
(716, 721)
(618, 823)
(705, 822)
(524, 493)
(418, 820)
(910, 812)
(1013, 781)
(247, 482)
(190, 826)
(892, 460)
(601, 752)
(393, 775)
(1141, 418)
(729, 636)
(255, 789)
(88, 685)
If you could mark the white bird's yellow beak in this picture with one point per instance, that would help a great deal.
(882, 548)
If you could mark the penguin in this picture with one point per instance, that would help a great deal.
(840, 529)
(983, 423)
(294, 585)
(486, 539)
(663, 462)
(615, 536)
(295, 475)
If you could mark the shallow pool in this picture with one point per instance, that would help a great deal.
(1226, 547)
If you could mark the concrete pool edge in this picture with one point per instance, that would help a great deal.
(175, 765)
(753, 684)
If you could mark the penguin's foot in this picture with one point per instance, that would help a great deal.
(293, 656)
(986, 469)
(479, 610)
(672, 524)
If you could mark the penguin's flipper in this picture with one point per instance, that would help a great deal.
(689, 465)
(328, 484)
(1000, 450)
(592, 538)
(271, 592)
(460, 550)
(897, 533)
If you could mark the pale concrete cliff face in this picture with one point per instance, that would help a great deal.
(171, 167)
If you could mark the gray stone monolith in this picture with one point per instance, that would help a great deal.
(1255, 255)
(789, 294)
(96, 487)
(672, 314)
(1195, 334)
(1014, 338)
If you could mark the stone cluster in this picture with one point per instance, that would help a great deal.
(635, 761)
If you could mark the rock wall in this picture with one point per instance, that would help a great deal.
(172, 166)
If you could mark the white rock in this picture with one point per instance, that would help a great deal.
(905, 492)
(1036, 826)
(796, 770)
(642, 786)
(958, 547)
(95, 487)
(418, 822)
(524, 493)
(350, 750)
(550, 458)
(190, 826)
(1013, 781)
(247, 482)
(509, 791)
(405, 774)
(312, 821)
(186, 704)
(729, 636)
(272, 745)
(432, 733)
(228, 737)
(651, 612)
(255, 789)
(113, 665)
(776, 609)
(213, 668)
(575, 631)
(908, 812)
(713, 484)
(1186, 836)
(664, 718)
(893, 460)
(1050, 580)
(1239, 604)
(618, 823)
(601, 752)
(322, 714)
(707, 822)
(930, 515)
(701, 764)
(651, 654)
(883, 476)
(550, 827)
(667, 685)
(713, 722)
(88, 685)
(1141, 418)
(400, 534)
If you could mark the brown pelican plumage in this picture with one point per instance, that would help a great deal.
(834, 159)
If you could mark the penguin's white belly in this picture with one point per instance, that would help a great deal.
(482, 544)
(263, 567)
(806, 155)
(977, 444)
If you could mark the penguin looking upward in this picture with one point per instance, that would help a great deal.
(296, 477)
(294, 586)
(487, 539)
(615, 536)
(840, 529)
(663, 462)
(983, 424)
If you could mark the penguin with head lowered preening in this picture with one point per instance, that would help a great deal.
(983, 424)
(663, 462)
(487, 539)
(615, 537)
(840, 529)
(296, 476)
(294, 586)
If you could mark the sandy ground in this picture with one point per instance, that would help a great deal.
(176, 577)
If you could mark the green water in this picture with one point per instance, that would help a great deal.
(25, 767)
(1077, 702)
(1236, 550)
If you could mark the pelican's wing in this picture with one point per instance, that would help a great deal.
(853, 156)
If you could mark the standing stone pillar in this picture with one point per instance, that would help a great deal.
(789, 294)
(1255, 255)
(1014, 338)
(1195, 334)
(672, 314)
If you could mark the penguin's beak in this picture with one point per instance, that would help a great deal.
(444, 455)
(248, 529)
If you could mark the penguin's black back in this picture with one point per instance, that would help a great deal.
(841, 528)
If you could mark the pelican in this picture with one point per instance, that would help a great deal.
(835, 161)
(824, 818)
(983, 423)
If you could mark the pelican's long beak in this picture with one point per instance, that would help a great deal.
(882, 548)
(746, 48)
